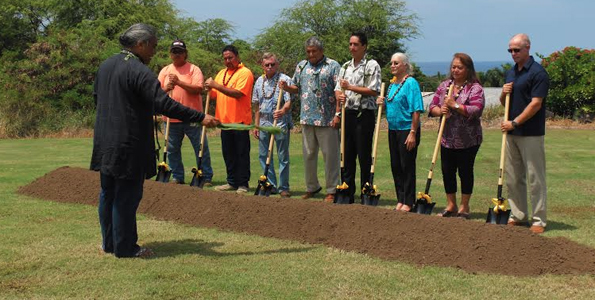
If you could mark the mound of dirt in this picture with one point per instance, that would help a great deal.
(417, 239)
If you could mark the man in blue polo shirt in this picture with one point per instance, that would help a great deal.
(528, 84)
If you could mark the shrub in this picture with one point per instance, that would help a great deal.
(572, 81)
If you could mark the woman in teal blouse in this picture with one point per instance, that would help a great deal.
(404, 105)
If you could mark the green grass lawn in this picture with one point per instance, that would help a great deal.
(51, 251)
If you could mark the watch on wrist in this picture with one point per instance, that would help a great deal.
(514, 124)
(338, 114)
(457, 106)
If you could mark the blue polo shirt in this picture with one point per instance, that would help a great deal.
(529, 82)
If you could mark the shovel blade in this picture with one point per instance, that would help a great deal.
(265, 191)
(371, 200)
(341, 197)
(499, 218)
(198, 180)
(422, 207)
(163, 176)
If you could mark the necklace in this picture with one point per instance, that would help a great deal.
(459, 88)
(264, 79)
(398, 89)
(230, 76)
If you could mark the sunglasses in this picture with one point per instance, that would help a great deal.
(177, 51)
(515, 50)
(270, 65)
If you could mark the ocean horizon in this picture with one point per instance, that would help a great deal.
(431, 68)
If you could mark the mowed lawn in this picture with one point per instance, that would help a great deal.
(51, 251)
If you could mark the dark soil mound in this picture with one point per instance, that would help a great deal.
(417, 239)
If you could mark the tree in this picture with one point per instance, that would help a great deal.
(494, 77)
(572, 81)
(386, 22)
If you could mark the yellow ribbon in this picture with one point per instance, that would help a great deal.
(500, 205)
(421, 195)
(262, 178)
(164, 165)
(343, 186)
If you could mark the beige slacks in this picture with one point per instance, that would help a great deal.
(525, 166)
(327, 139)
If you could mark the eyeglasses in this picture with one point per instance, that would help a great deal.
(394, 63)
(515, 50)
(270, 65)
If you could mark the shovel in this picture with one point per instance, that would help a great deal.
(198, 179)
(424, 205)
(342, 193)
(369, 190)
(500, 213)
(264, 187)
(163, 169)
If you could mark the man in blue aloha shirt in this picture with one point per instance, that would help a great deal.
(265, 95)
(314, 82)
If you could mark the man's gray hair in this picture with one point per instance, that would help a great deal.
(524, 39)
(268, 55)
(138, 32)
(314, 42)
(404, 60)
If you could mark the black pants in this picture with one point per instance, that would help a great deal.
(461, 160)
(402, 164)
(359, 134)
(235, 146)
(118, 202)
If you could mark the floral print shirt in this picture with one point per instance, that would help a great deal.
(462, 132)
(365, 74)
(316, 91)
(268, 87)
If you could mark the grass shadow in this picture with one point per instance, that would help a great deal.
(200, 247)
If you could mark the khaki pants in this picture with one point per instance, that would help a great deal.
(525, 165)
(327, 139)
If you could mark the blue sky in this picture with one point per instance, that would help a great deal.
(480, 28)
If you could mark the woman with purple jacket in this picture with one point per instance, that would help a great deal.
(462, 132)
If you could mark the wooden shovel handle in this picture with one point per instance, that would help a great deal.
(439, 137)
(272, 137)
(504, 135)
(204, 128)
(377, 130)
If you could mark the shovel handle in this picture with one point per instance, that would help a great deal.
(503, 149)
(439, 138)
(204, 128)
(272, 136)
(376, 131)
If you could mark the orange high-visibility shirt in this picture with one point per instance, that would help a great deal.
(229, 109)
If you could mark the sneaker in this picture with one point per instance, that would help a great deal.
(330, 198)
(207, 184)
(144, 253)
(512, 222)
(225, 187)
(285, 194)
(242, 190)
(311, 194)
(537, 229)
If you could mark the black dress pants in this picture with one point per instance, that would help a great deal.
(359, 134)
(235, 146)
(402, 162)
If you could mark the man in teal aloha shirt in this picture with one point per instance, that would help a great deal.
(315, 79)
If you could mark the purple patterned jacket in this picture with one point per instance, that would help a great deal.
(462, 132)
